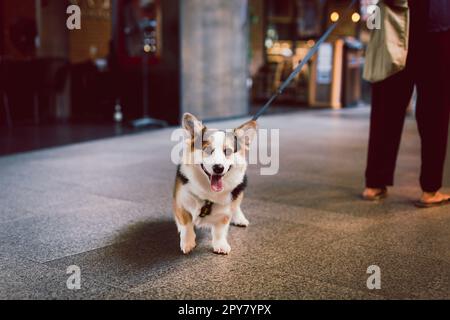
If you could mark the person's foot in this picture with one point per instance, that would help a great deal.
(373, 194)
(433, 199)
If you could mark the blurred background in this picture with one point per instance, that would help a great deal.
(155, 59)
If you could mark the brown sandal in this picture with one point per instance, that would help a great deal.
(422, 205)
(378, 196)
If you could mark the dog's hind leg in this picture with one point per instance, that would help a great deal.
(238, 218)
(185, 227)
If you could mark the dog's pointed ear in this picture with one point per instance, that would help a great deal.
(245, 134)
(193, 126)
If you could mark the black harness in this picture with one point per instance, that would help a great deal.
(206, 209)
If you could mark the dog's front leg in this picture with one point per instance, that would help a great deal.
(185, 228)
(219, 236)
(187, 237)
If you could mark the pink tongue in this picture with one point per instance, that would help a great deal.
(216, 183)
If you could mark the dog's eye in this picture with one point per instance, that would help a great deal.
(208, 150)
(228, 151)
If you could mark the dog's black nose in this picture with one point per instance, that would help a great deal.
(218, 168)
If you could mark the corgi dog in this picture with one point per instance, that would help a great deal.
(210, 182)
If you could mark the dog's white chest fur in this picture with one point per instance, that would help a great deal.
(194, 194)
(194, 205)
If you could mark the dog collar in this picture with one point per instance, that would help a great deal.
(206, 209)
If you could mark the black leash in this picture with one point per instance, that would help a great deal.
(294, 73)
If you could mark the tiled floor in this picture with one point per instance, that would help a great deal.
(105, 206)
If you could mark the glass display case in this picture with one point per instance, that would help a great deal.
(291, 29)
(137, 30)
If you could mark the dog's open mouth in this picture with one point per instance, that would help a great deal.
(216, 183)
(215, 180)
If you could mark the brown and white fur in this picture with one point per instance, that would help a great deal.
(219, 177)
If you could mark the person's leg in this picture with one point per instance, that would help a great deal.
(390, 99)
(433, 112)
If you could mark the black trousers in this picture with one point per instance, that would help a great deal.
(427, 67)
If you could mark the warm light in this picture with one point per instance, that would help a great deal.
(334, 16)
(269, 43)
(356, 17)
(147, 48)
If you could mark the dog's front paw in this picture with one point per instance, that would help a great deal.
(221, 247)
(187, 246)
(240, 221)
